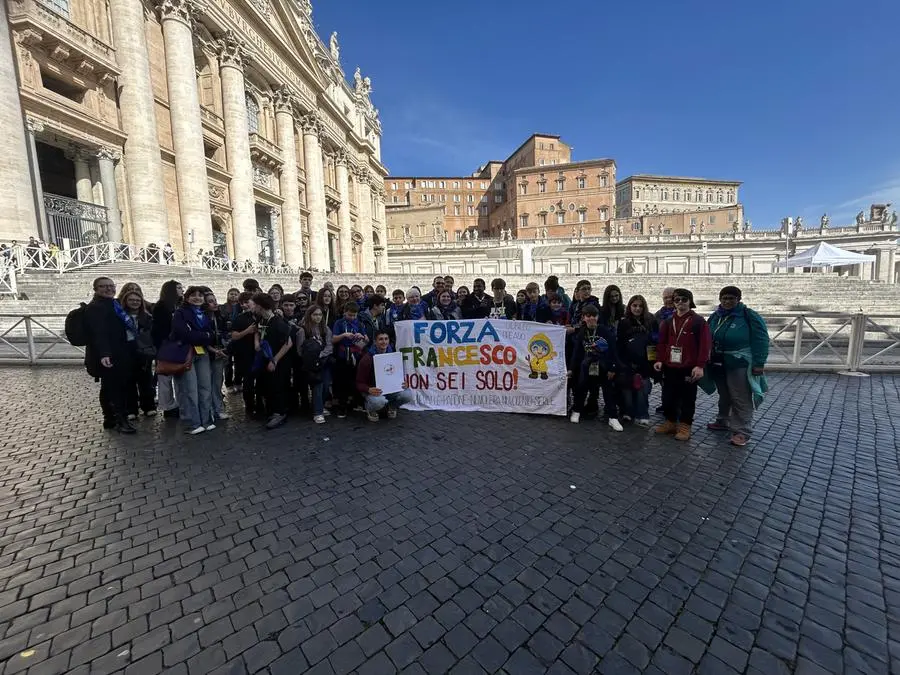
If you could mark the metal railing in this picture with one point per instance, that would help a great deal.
(81, 223)
(8, 278)
(798, 342)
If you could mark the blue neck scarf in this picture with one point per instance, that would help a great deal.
(200, 316)
(723, 313)
(418, 310)
(125, 317)
(373, 350)
(666, 313)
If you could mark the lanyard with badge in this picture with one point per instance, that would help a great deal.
(594, 366)
(675, 352)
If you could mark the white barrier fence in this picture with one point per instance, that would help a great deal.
(805, 342)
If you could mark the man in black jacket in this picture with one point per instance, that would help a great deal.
(106, 354)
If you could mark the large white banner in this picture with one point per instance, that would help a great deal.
(484, 365)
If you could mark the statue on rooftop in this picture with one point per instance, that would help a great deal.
(335, 48)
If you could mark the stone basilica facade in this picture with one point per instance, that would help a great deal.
(224, 126)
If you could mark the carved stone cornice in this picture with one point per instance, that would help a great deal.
(34, 125)
(109, 153)
(232, 51)
(178, 10)
(283, 100)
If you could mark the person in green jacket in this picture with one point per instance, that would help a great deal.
(740, 349)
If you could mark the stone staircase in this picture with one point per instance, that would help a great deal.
(54, 293)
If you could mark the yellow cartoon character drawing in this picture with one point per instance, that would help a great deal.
(540, 351)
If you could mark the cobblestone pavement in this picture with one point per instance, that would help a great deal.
(461, 543)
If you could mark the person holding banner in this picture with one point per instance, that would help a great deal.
(477, 304)
(592, 366)
(375, 399)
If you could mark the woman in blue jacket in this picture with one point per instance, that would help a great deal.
(191, 326)
(740, 349)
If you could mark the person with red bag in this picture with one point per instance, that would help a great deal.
(192, 328)
(683, 352)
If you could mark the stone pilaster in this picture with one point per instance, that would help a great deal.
(290, 186)
(18, 218)
(381, 261)
(107, 158)
(187, 130)
(343, 184)
(364, 222)
(33, 127)
(143, 170)
(232, 56)
(315, 192)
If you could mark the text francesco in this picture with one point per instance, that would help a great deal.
(457, 343)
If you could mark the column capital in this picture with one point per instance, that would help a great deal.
(112, 154)
(232, 51)
(283, 100)
(341, 158)
(311, 124)
(362, 175)
(33, 124)
(76, 153)
(178, 10)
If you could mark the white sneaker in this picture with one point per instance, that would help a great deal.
(132, 417)
(615, 425)
(392, 413)
(223, 415)
(210, 427)
(319, 419)
(626, 418)
(642, 422)
(150, 413)
(373, 416)
(326, 412)
(575, 418)
(198, 430)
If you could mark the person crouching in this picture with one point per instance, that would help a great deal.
(375, 399)
(592, 365)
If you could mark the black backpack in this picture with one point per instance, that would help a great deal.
(310, 359)
(76, 326)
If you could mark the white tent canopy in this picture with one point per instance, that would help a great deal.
(825, 255)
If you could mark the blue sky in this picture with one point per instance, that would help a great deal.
(800, 99)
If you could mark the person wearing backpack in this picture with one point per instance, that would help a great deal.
(681, 356)
(106, 355)
(740, 340)
(314, 350)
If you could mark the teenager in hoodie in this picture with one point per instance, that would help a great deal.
(373, 317)
(272, 342)
(375, 399)
(592, 365)
(535, 308)
(613, 308)
(636, 338)
(502, 305)
(552, 288)
(299, 387)
(349, 344)
(242, 350)
(558, 315)
(583, 298)
(394, 311)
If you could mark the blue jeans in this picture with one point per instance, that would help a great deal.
(637, 401)
(194, 392)
(218, 378)
(375, 404)
(320, 390)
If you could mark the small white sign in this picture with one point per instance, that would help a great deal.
(389, 372)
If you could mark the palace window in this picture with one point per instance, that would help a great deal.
(582, 216)
(560, 217)
(732, 216)
(484, 210)
(560, 184)
(693, 220)
(442, 185)
(604, 213)
(395, 199)
(252, 114)
(541, 163)
(676, 195)
(542, 218)
(443, 198)
(637, 193)
(699, 196)
(484, 199)
(456, 198)
(635, 227)
(456, 210)
(712, 220)
(709, 196)
(687, 195)
(581, 182)
(498, 198)
(542, 187)
(456, 185)
(523, 189)
(719, 197)
(393, 186)
(730, 197)
(470, 210)
(483, 185)
(523, 220)
(665, 195)
(470, 198)
(408, 185)
(604, 180)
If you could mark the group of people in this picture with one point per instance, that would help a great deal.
(311, 351)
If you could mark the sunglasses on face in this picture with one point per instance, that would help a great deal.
(728, 297)
(681, 299)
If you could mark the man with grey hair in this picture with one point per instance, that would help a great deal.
(668, 308)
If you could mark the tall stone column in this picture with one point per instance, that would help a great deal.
(365, 220)
(382, 217)
(18, 218)
(237, 146)
(107, 158)
(315, 192)
(143, 169)
(343, 184)
(187, 130)
(290, 186)
(34, 127)
(84, 187)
